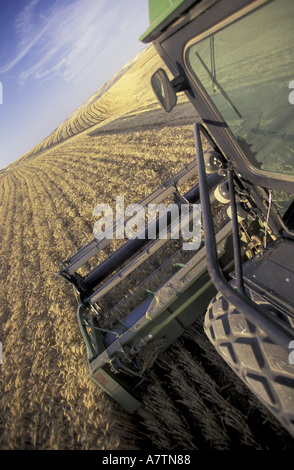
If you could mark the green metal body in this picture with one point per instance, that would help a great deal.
(172, 309)
(162, 13)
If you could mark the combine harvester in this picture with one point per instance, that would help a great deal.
(234, 61)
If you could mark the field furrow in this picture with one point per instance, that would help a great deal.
(47, 351)
(194, 401)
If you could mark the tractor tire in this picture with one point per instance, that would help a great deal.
(265, 367)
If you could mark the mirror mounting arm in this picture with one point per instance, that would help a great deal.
(179, 84)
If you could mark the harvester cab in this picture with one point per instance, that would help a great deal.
(234, 269)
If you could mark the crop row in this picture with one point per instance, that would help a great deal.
(45, 376)
(123, 96)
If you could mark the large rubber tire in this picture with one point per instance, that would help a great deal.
(261, 364)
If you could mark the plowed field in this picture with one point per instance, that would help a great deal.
(47, 400)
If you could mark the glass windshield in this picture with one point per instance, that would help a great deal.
(247, 69)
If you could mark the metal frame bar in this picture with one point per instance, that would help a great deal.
(122, 254)
(87, 284)
(124, 272)
(72, 264)
(280, 333)
(236, 238)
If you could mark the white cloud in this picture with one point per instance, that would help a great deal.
(63, 40)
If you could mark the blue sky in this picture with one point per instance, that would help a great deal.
(54, 54)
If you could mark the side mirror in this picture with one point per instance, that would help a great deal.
(164, 90)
